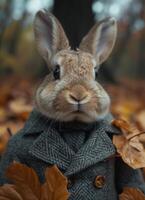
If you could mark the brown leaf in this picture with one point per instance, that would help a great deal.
(8, 192)
(124, 126)
(140, 119)
(130, 145)
(25, 179)
(124, 108)
(131, 194)
(3, 114)
(13, 126)
(27, 186)
(4, 138)
(55, 186)
(5, 94)
(20, 108)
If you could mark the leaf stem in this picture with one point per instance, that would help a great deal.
(136, 134)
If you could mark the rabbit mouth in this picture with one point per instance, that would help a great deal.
(80, 116)
(78, 112)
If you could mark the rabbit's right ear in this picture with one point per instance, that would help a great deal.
(49, 35)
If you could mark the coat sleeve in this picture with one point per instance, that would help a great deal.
(7, 158)
(128, 177)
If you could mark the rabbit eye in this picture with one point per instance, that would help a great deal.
(56, 72)
(96, 73)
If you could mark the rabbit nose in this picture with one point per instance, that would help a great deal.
(77, 98)
(78, 95)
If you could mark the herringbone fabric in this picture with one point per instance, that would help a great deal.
(41, 144)
(74, 134)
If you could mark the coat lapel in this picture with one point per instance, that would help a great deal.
(49, 145)
(51, 148)
(97, 148)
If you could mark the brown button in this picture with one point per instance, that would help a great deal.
(99, 181)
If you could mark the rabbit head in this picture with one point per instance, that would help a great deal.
(71, 91)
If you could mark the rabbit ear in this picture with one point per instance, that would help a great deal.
(101, 39)
(49, 35)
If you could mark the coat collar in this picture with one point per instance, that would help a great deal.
(51, 148)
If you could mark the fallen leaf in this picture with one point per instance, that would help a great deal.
(4, 138)
(5, 94)
(14, 126)
(55, 186)
(140, 119)
(25, 180)
(125, 108)
(26, 184)
(3, 114)
(8, 192)
(130, 145)
(131, 194)
(20, 108)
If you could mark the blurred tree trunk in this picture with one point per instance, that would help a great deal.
(5, 12)
(76, 17)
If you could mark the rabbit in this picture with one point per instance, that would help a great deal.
(71, 90)
(71, 96)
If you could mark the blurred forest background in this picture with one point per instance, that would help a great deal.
(17, 50)
(21, 67)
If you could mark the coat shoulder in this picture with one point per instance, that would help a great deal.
(15, 142)
(10, 155)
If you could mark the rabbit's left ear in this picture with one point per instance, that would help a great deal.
(100, 40)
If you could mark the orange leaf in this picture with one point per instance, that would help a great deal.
(25, 179)
(130, 145)
(8, 192)
(56, 185)
(131, 194)
(27, 186)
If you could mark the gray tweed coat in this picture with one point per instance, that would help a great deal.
(40, 145)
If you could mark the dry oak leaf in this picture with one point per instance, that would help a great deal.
(26, 185)
(130, 145)
(131, 194)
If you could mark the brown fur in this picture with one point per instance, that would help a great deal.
(58, 99)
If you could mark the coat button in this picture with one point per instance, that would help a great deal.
(99, 181)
